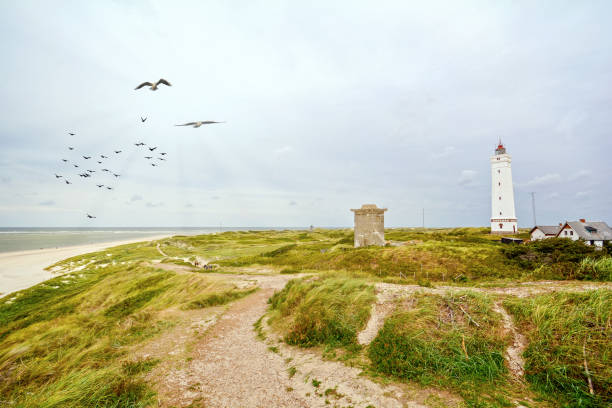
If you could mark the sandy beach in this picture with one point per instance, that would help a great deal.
(22, 269)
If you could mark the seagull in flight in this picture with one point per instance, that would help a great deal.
(163, 153)
(199, 123)
(148, 157)
(103, 156)
(153, 86)
(139, 144)
(91, 171)
(87, 157)
(152, 148)
(75, 165)
(90, 216)
(118, 151)
(143, 119)
(116, 175)
(67, 182)
(153, 164)
(64, 160)
(161, 158)
(71, 134)
(70, 148)
(100, 185)
(109, 188)
(58, 176)
(99, 162)
(105, 170)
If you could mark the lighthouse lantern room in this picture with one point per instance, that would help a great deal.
(503, 217)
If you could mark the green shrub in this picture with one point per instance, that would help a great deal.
(596, 269)
(217, 299)
(279, 251)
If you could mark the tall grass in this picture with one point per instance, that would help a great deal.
(454, 341)
(330, 309)
(564, 330)
(596, 269)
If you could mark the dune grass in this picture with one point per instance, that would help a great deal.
(65, 342)
(330, 309)
(454, 341)
(564, 330)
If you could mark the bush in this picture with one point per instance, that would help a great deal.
(596, 269)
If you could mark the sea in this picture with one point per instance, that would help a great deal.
(21, 239)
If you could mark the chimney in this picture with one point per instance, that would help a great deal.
(560, 224)
(582, 220)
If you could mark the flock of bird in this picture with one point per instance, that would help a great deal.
(101, 159)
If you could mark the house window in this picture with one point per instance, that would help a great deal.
(501, 225)
(565, 232)
(499, 183)
(571, 232)
(500, 213)
(500, 197)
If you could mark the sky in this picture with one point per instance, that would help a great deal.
(328, 105)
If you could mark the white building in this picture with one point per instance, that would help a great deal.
(503, 217)
(592, 233)
(544, 231)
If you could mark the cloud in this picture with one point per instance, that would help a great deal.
(47, 203)
(467, 177)
(154, 205)
(447, 151)
(136, 197)
(283, 150)
(580, 174)
(550, 178)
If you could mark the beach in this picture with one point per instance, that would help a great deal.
(22, 269)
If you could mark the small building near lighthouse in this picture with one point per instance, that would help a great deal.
(369, 225)
(503, 217)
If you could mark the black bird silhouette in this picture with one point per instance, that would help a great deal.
(143, 119)
(64, 160)
(152, 148)
(71, 134)
(70, 148)
(90, 216)
(103, 156)
(67, 182)
(116, 175)
(100, 185)
(87, 157)
(161, 158)
(199, 123)
(118, 151)
(153, 164)
(91, 171)
(56, 176)
(109, 188)
(163, 153)
(153, 86)
(75, 165)
(148, 157)
(99, 162)
(105, 170)
(139, 144)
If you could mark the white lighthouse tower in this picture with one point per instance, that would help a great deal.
(503, 217)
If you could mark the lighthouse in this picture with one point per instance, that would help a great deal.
(503, 217)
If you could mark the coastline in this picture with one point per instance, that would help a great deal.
(22, 269)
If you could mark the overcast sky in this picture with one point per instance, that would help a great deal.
(328, 105)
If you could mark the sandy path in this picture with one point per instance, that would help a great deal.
(20, 270)
(232, 367)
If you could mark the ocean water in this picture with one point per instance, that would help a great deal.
(20, 239)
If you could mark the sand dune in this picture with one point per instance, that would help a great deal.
(22, 269)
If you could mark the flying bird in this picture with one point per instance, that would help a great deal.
(163, 153)
(153, 164)
(57, 176)
(109, 188)
(161, 158)
(103, 156)
(148, 157)
(153, 86)
(105, 170)
(99, 162)
(91, 171)
(75, 165)
(90, 216)
(118, 151)
(152, 148)
(199, 123)
(70, 148)
(71, 134)
(67, 182)
(143, 119)
(116, 175)
(87, 157)
(100, 185)
(64, 160)
(139, 144)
